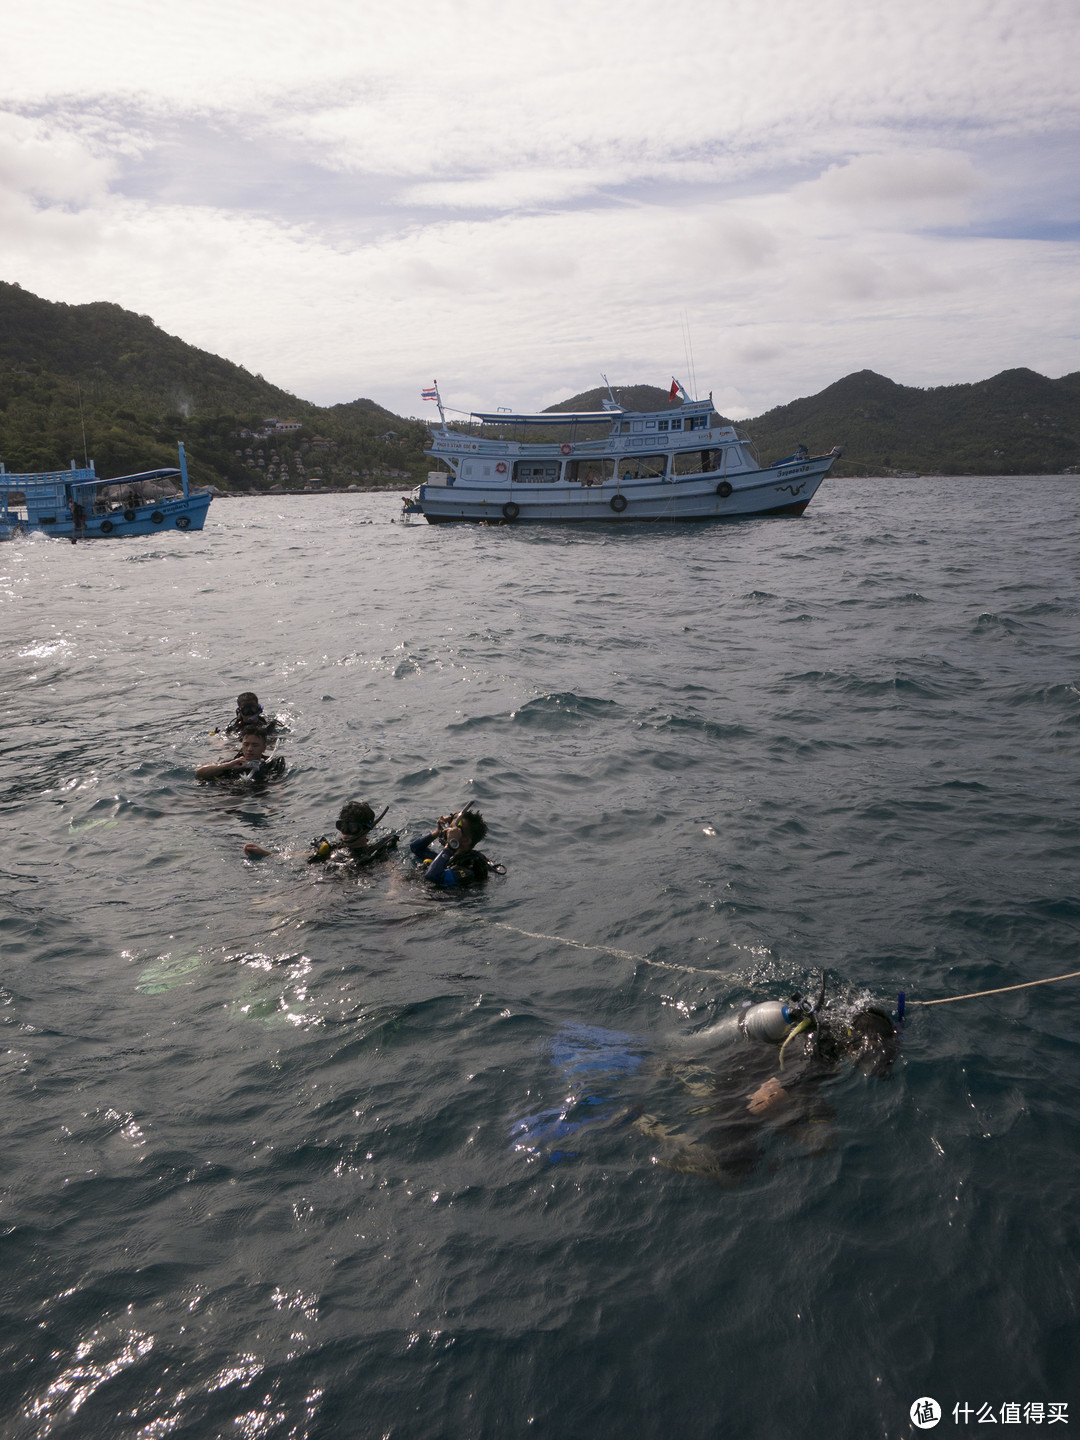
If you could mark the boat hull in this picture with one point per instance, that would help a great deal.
(782, 490)
(179, 513)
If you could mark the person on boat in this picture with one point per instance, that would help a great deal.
(352, 845)
(250, 716)
(458, 863)
(247, 763)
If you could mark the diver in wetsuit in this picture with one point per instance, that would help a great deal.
(351, 846)
(250, 715)
(459, 862)
(775, 1060)
(248, 763)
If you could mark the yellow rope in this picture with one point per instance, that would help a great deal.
(1002, 990)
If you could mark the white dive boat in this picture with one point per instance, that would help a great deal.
(680, 463)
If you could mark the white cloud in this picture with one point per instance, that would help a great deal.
(356, 198)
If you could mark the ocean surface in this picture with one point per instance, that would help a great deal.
(294, 1153)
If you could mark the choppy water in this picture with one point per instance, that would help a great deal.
(260, 1171)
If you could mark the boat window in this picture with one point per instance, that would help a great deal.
(625, 427)
(697, 462)
(642, 467)
(650, 424)
(589, 472)
(697, 422)
(534, 472)
(676, 424)
(661, 425)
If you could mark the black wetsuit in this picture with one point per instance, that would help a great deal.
(265, 724)
(353, 852)
(263, 770)
(448, 867)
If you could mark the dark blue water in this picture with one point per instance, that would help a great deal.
(260, 1169)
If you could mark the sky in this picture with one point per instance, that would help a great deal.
(755, 197)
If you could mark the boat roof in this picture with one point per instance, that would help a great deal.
(166, 473)
(550, 417)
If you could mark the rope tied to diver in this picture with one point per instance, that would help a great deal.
(1000, 990)
(694, 970)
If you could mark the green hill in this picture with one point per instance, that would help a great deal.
(134, 391)
(102, 374)
(1017, 423)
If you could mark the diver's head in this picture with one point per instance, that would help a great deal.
(356, 817)
(471, 823)
(247, 705)
(873, 1042)
(253, 744)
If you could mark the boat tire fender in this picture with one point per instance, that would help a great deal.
(723, 489)
(511, 511)
(500, 468)
(183, 522)
(157, 517)
(129, 514)
(618, 503)
(107, 527)
(566, 449)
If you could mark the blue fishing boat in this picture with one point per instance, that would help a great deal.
(678, 463)
(77, 504)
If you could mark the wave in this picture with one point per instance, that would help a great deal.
(563, 710)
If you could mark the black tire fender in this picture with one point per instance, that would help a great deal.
(511, 511)
(107, 527)
(183, 522)
(129, 514)
(618, 503)
(157, 517)
(723, 489)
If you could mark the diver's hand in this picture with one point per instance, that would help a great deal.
(770, 1096)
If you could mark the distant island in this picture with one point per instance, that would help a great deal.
(101, 379)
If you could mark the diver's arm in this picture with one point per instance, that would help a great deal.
(422, 848)
(256, 852)
(439, 872)
(227, 767)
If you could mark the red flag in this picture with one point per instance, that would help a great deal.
(674, 391)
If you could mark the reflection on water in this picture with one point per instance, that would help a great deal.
(301, 1154)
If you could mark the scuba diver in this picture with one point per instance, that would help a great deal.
(459, 863)
(249, 715)
(351, 846)
(762, 1067)
(248, 763)
(775, 1058)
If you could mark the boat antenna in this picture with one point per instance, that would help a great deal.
(688, 351)
(82, 426)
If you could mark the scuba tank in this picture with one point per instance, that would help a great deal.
(769, 1020)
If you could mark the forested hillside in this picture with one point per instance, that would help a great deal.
(100, 381)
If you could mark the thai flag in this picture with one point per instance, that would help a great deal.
(432, 394)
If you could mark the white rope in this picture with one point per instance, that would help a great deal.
(1001, 990)
(604, 949)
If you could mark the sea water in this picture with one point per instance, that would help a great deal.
(294, 1153)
